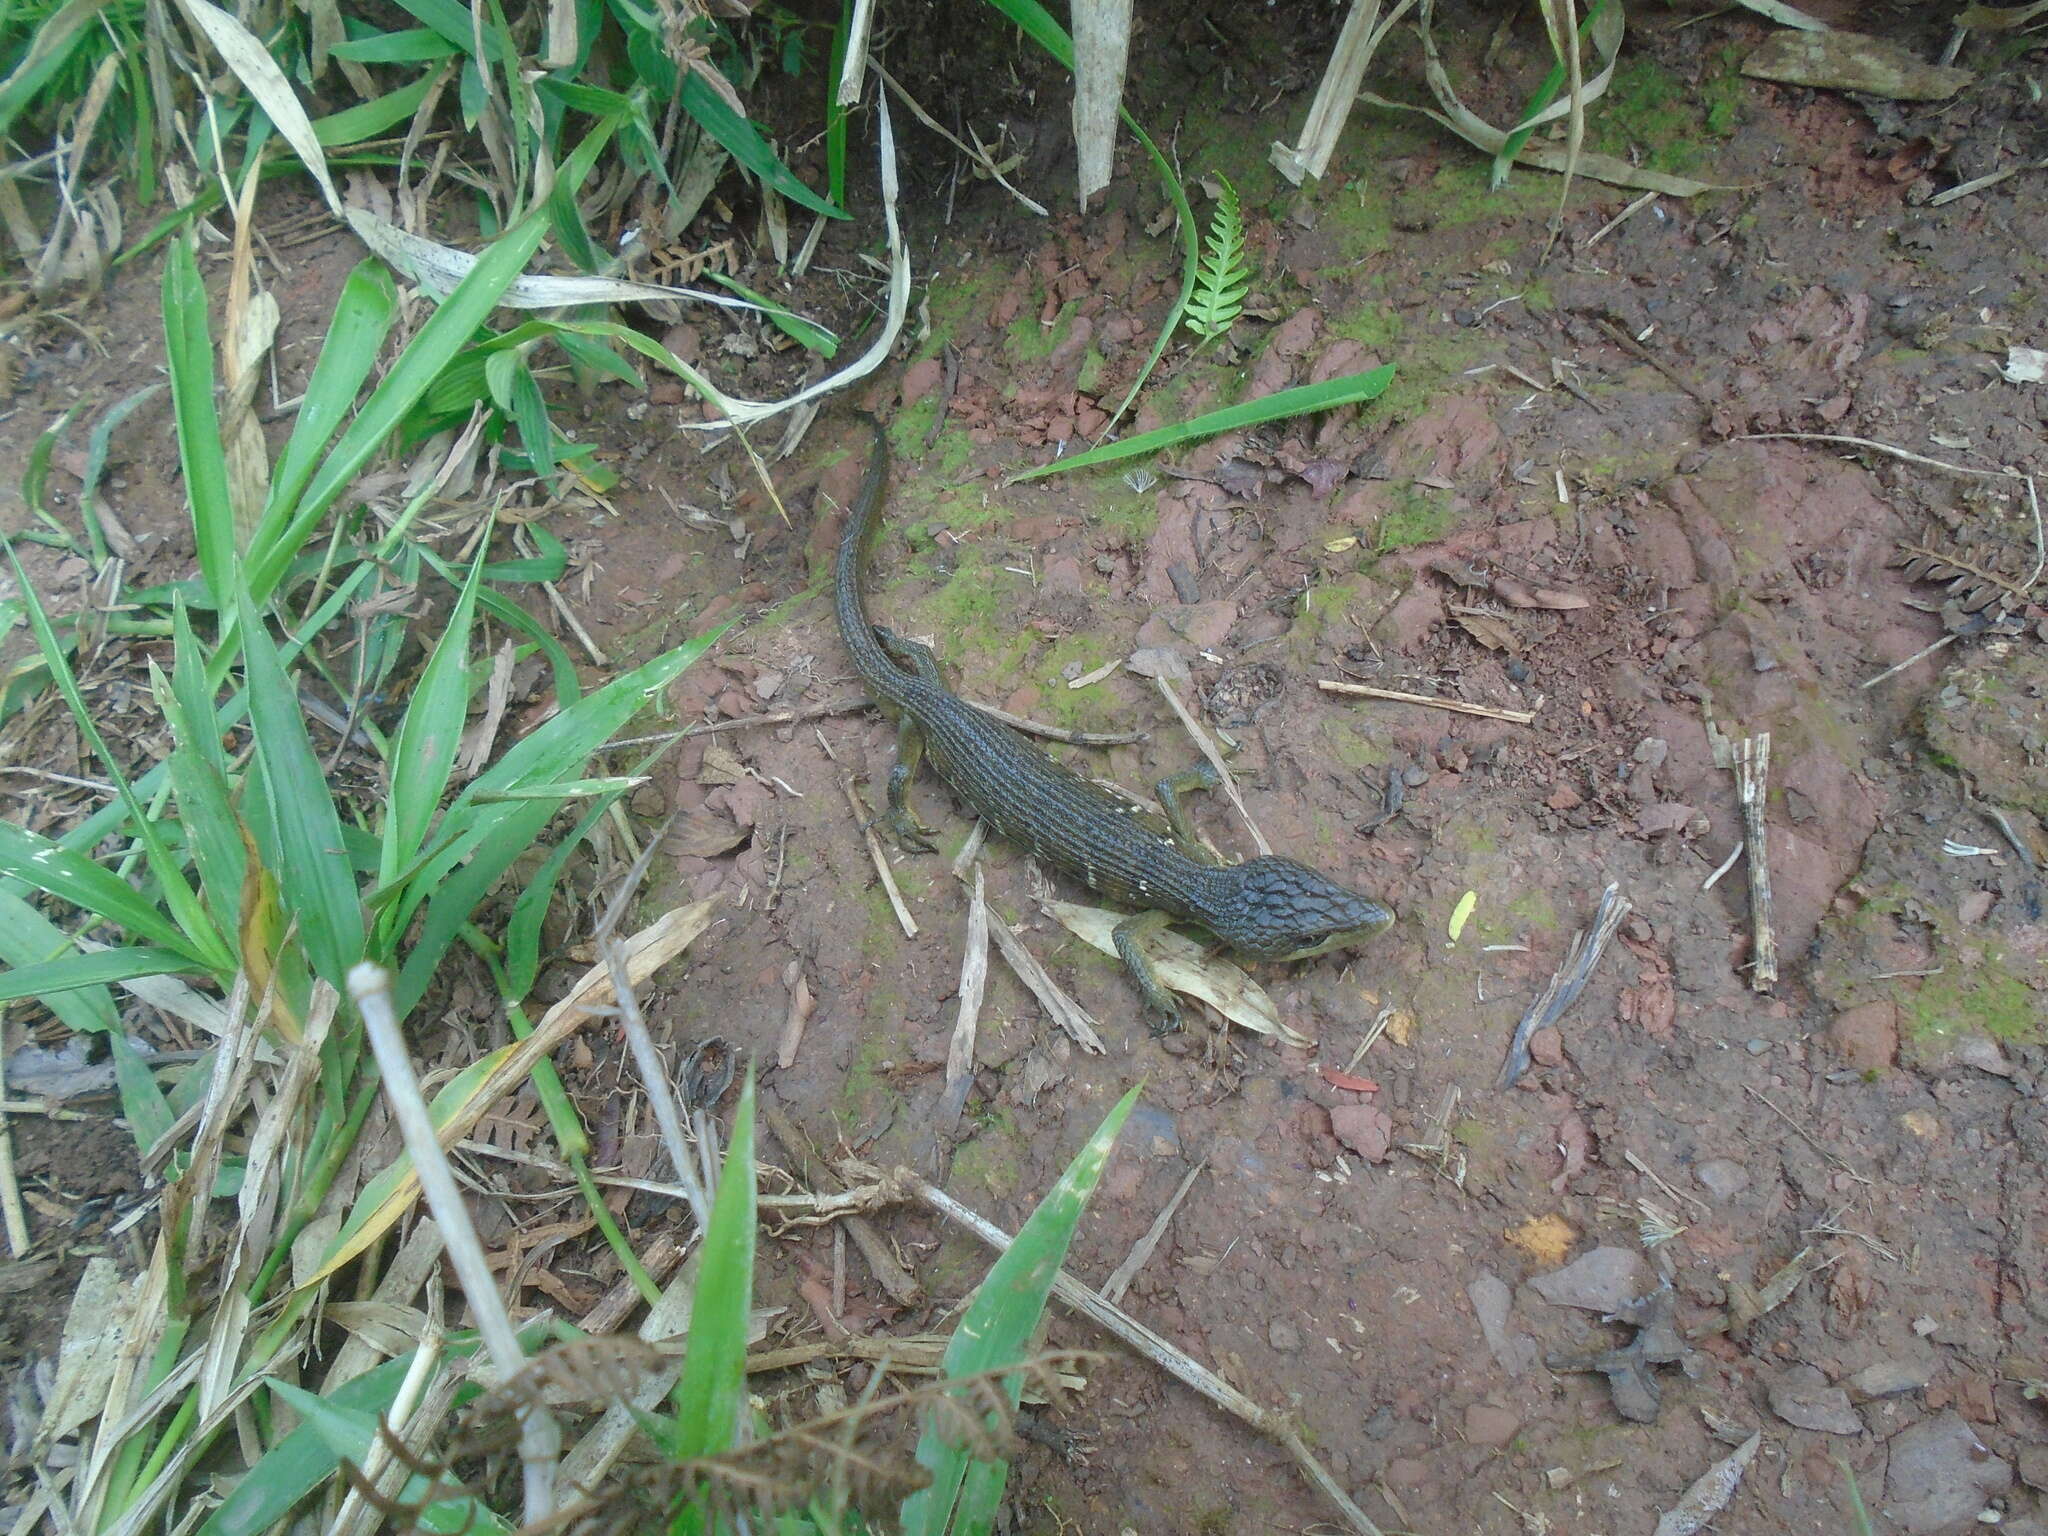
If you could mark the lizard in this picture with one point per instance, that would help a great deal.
(1266, 908)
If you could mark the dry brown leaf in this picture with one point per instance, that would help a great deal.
(721, 765)
(703, 835)
(1490, 632)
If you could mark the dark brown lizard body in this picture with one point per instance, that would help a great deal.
(1268, 908)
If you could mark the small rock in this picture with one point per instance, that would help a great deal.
(1663, 818)
(1546, 1046)
(1159, 661)
(1983, 1053)
(1491, 1303)
(1756, 1047)
(1888, 1378)
(1366, 1130)
(1604, 1280)
(1283, 1336)
(1565, 798)
(1866, 1036)
(1940, 1475)
(1490, 1426)
(1722, 1177)
(1802, 1397)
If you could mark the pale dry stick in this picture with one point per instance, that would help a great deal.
(1726, 864)
(1224, 780)
(594, 1455)
(963, 861)
(1620, 219)
(967, 1020)
(1459, 706)
(1059, 1006)
(1566, 982)
(618, 1303)
(540, 1437)
(19, 1240)
(562, 609)
(1175, 1361)
(1752, 775)
(980, 158)
(1121, 1277)
(654, 1075)
(1922, 654)
(916, 1355)
(901, 1285)
(1969, 188)
(1651, 1174)
(796, 1019)
(866, 824)
(377, 1464)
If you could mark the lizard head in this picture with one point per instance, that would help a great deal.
(1275, 909)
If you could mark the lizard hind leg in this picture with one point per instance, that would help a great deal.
(909, 834)
(1126, 934)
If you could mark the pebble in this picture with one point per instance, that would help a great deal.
(1283, 1336)
(1756, 1047)
(1605, 1280)
(1802, 1397)
(1887, 1378)
(1487, 1425)
(1722, 1177)
(1940, 1475)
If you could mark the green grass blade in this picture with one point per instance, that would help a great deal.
(28, 938)
(1299, 401)
(349, 1433)
(996, 1331)
(302, 1460)
(199, 780)
(530, 910)
(195, 932)
(189, 348)
(415, 45)
(362, 319)
(96, 448)
(450, 327)
(373, 118)
(553, 751)
(744, 143)
(430, 733)
(74, 973)
(807, 333)
(300, 834)
(711, 1394)
(47, 53)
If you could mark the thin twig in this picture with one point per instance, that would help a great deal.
(1752, 775)
(1651, 1174)
(1922, 654)
(1726, 864)
(901, 1285)
(866, 824)
(540, 1437)
(654, 1075)
(1485, 711)
(1208, 750)
(1620, 219)
(1168, 1356)
(1121, 1277)
(967, 1019)
(1060, 733)
(1807, 1136)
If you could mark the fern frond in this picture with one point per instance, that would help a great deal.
(1223, 277)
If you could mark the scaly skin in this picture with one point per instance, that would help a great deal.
(1266, 908)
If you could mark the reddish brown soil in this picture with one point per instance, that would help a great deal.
(1888, 1121)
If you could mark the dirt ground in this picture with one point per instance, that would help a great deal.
(1576, 500)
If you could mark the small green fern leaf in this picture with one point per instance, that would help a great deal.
(1223, 277)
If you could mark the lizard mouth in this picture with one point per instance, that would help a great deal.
(1340, 938)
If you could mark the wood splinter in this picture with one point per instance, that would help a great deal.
(1752, 771)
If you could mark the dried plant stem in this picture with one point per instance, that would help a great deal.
(1208, 750)
(1752, 773)
(1459, 706)
(901, 1285)
(1121, 1277)
(1169, 1357)
(540, 1437)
